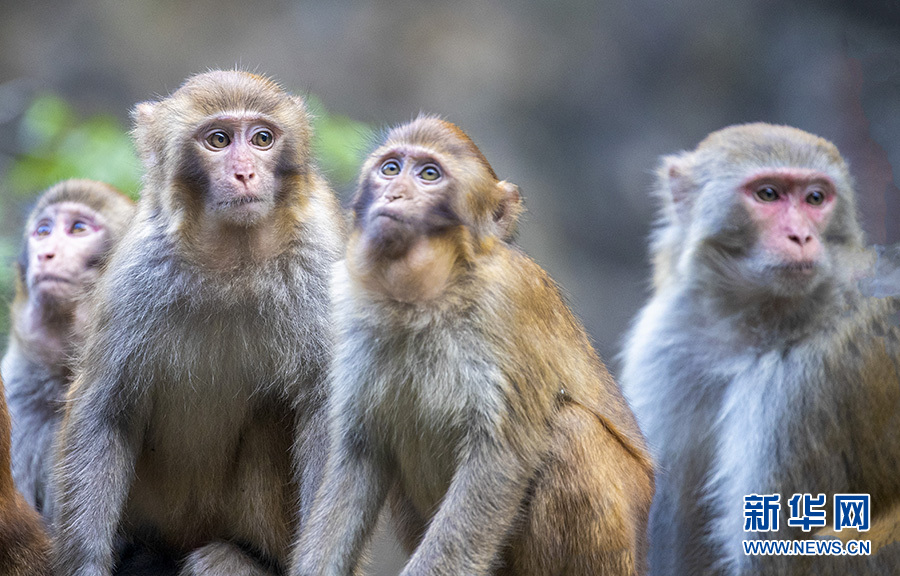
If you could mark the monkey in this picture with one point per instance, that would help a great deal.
(66, 241)
(24, 546)
(758, 367)
(463, 391)
(194, 426)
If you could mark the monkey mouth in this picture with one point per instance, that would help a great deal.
(239, 201)
(389, 214)
(804, 267)
(52, 278)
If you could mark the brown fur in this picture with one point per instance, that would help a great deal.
(476, 406)
(24, 545)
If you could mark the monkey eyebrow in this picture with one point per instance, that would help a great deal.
(788, 176)
(232, 120)
(417, 153)
(88, 217)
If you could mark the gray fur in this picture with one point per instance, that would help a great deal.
(744, 388)
(35, 398)
(191, 390)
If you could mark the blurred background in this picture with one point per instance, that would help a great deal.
(573, 100)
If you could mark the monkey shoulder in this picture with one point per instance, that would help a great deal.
(665, 349)
(541, 345)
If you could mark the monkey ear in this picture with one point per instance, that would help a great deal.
(143, 112)
(677, 185)
(506, 215)
(143, 115)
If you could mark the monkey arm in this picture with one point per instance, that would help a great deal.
(345, 509)
(311, 433)
(29, 434)
(479, 508)
(91, 480)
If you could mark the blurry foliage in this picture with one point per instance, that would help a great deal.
(56, 143)
(340, 144)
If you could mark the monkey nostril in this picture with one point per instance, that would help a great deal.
(798, 240)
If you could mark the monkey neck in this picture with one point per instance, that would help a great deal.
(420, 275)
(227, 247)
(765, 318)
(48, 334)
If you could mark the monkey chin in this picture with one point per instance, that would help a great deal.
(794, 279)
(244, 211)
(54, 291)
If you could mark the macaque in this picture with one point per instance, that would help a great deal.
(67, 239)
(758, 367)
(24, 546)
(463, 391)
(194, 427)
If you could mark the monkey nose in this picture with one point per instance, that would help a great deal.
(800, 239)
(244, 176)
(47, 253)
(394, 193)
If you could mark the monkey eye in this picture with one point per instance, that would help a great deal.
(78, 227)
(262, 139)
(43, 229)
(430, 173)
(218, 139)
(767, 194)
(816, 197)
(390, 168)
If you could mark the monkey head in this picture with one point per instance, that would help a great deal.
(67, 239)
(427, 203)
(228, 144)
(767, 209)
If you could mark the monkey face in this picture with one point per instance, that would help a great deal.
(406, 228)
(239, 160)
(407, 196)
(65, 247)
(427, 204)
(789, 209)
(758, 211)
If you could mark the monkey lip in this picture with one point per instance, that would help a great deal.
(42, 278)
(240, 201)
(802, 268)
(389, 214)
